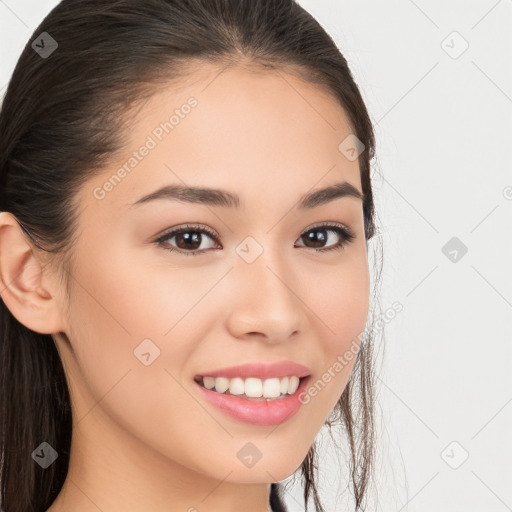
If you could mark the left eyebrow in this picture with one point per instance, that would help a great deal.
(328, 194)
(223, 198)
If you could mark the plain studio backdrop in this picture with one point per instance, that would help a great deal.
(437, 80)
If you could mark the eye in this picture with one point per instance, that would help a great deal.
(189, 238)
(345, 234)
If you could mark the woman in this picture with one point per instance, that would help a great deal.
(135, 134)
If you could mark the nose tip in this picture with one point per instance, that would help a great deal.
(265, 305)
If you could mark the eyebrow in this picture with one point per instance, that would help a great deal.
(223, 198)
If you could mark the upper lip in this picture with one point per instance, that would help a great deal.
(260, 370)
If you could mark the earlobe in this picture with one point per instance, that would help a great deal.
(21, 280)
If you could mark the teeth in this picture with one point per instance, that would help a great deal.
(253, 387)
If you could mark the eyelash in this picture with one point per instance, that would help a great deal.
(345, 233)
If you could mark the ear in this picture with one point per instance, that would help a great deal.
(25, 290)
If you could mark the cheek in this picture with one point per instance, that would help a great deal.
(137, 298)
(113, 310)
(339, 298)
(121, 311)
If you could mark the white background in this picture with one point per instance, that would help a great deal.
(443, 165)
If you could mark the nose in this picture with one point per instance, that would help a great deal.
(267, 301)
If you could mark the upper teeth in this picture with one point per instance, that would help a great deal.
(253, 387)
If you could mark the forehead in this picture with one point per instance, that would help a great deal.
(252, 132)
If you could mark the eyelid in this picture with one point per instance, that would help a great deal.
(328, 223)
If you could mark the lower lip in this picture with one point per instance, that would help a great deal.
(262, 412)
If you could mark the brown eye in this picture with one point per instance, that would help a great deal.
(189, 240)
(318, 236)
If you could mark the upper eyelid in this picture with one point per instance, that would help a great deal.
(328, 223)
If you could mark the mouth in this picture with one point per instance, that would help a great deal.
(253, 389)
(234, 397)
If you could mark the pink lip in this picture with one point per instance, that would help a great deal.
(261, 413)
(263, 371)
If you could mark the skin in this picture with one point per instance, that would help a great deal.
(143, 438)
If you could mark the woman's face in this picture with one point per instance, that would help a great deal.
(145, 320)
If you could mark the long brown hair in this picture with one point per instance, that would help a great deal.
(62, 119)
